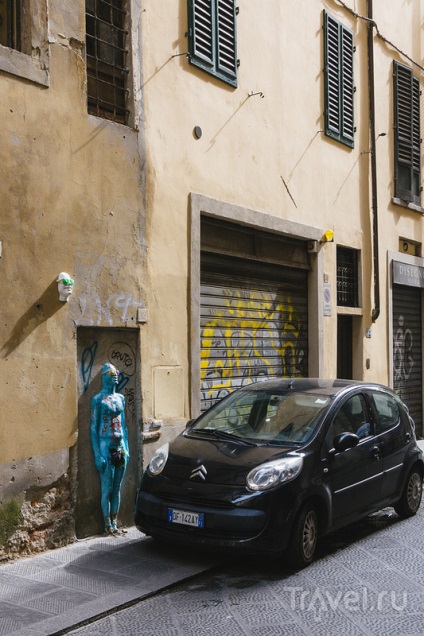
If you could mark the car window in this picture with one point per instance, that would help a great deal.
(352, 417)
(387, 411)
(266, 416)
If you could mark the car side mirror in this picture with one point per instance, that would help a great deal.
(344, 441)
(190, 422)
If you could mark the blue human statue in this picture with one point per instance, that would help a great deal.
(109, 439)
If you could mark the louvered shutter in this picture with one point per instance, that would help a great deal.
(347, 83)
(339, 86)
(212, 38)
(407, 134)
(203, 30)
(226, 26)
(332, 72)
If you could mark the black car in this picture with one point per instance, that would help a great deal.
(277, 464)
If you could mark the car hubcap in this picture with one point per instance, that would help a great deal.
(414, 491)
(310, 534)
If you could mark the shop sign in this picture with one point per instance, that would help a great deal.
(411, 275)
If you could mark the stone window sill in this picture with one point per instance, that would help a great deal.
(22, 65)
(409, 206)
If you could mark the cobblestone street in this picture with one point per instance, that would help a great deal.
(367, 580)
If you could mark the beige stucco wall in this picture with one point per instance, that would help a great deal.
(249, 144)
(72, 200)
(111, 205)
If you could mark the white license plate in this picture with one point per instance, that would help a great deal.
(186, 518)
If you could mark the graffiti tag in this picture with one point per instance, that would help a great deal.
(255, 334)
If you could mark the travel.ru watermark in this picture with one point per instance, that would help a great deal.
(320, 601)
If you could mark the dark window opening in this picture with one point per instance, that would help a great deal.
(107, 66)
(11, 24)
(347, 277)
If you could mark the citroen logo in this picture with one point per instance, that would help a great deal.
(200, 471)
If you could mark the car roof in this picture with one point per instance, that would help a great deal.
(325, 386)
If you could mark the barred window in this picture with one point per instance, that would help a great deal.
(107, 65)
(11, 24)
(347, 277)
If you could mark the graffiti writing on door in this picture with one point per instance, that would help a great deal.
(403, 358)
(121, 355)
(254, 334)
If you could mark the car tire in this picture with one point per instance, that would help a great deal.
(410, 500)
(304, 537)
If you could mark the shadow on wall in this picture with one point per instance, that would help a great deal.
(43, 309)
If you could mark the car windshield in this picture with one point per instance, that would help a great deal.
(264, 416)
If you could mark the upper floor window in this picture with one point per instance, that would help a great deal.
(347, 277)
(212, 38)
(11, 23)
(24, 42)
(107, 64)
(338, 77)
(407, 134)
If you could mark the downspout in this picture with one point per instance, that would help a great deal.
(376, 310)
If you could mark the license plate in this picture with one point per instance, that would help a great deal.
(186, 518)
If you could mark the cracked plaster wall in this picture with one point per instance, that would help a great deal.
(72, 200)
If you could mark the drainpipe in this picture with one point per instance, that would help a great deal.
(376, 310)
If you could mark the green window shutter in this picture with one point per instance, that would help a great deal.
(202, 29)
(226, 27)
(339, 85)
(407, 134)
(212, 38)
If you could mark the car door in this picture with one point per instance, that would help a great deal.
(392, 436)
(355, 475)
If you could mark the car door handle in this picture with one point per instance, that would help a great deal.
(376, 452)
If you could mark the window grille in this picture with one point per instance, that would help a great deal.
(347, 277)
(11, 24)
(106, 52)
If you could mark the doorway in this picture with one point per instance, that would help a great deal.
(95, 347)
(344, 347)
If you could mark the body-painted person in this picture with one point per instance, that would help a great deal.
(109, 439)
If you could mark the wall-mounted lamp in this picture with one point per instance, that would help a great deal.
(328, 236)
(65, 285)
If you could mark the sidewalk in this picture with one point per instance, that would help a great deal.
(56, 590)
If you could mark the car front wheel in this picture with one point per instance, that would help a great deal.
(303, 541)
(410, 500)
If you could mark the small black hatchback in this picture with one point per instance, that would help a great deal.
(277, 464)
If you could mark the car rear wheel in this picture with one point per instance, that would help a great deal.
(303, 541)
(410, 500)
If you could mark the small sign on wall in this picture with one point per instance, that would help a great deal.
(327, 299)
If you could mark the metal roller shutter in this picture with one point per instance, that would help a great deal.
(407, 354)
(251, 329)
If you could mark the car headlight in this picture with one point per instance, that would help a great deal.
(158, 461)
(274, 473)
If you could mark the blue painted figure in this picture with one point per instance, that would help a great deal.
(109, 439)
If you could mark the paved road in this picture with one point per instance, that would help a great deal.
(367, 580)
(56, 590)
